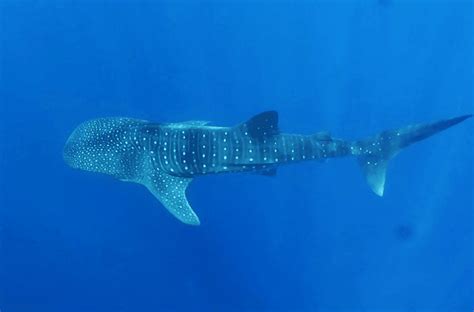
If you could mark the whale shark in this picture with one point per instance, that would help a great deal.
(166, 157)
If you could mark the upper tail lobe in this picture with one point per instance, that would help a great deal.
(373, 154)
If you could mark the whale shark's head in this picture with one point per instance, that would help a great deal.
(101, 145)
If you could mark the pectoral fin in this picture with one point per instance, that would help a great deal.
(375, 170)
(171, 192)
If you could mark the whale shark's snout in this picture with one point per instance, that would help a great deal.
(103, 145)
(72, 150)
(85, 148)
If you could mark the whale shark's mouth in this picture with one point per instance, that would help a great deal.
(70, 151)
(73, 149)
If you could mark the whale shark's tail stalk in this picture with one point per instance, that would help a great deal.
(374, 153)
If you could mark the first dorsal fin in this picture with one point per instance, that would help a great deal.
(262, 125)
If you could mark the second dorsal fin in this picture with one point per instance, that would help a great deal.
(262, 125)
(322, 136)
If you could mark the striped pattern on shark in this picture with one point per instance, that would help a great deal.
(166, 157)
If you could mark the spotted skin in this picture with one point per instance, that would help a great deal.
(166, 157)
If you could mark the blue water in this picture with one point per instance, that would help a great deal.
(314, 238)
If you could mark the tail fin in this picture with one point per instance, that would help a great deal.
(373, 154)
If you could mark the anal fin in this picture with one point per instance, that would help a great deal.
(270, 172)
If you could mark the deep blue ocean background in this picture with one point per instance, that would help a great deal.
(313, 238)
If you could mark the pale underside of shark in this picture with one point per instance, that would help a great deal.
(166, 157)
